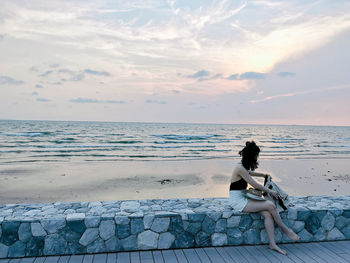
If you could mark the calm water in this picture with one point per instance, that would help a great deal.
(51, 141)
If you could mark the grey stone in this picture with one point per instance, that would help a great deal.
(77, 226)
(121, 220)
(227, 214)
(203, 239)
(92, 221)
(233, 221)
(24, 232)
(18, 249)
(53, 225)
(235, 236)
(208, 225)
(219, 239)
(3, 250)
(147, 221)
(35, 246)
(136, 225)
(54, 244)
(313, 222)
(97, 246)
(165, 240)
(147, 240)
(346, 231)
(251, 236)
(9, 232)
(184, 240)
(303, 213)
(264, 238)
(342, 221)
(37, 230)
(335, 234)
(292, 213)
(305, 235)
(89, 236)
(320, 235)
(220, 226)
(113, 244)
(298, 226)
(107, 229)
(245, 223)
(328, 222)
(75, 216)
(160, 224)
(193, 227)
(196, 217)
(130, 206)
(123, 231)
(129, 243)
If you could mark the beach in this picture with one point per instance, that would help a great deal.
(131, 180)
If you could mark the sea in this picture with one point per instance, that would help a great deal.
(77, 141)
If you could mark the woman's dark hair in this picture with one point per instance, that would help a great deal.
(250, 156)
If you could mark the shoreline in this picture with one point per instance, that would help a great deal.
(125, 180)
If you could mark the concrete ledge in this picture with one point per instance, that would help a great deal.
(92, 227)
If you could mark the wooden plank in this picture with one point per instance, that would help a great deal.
(158, 256)
(88, 258)
(4, 260)
(54, 259)
(235, 254)
(146, 257)
(292, 248)
(191, 255)
(169, 256)
(324, 253)
(27, 260)
(313, 254)
(202, 255)
(290, 253)
(73, 259)
(246, 254)
(333, 247)
(270, 255)
(121, 257)
(289, 258)
(15, 260)
(345, 245)
(111, 258)
(135, 257)
(100, 258)
(180, 255)
(256, 253)
(222, 252)
(213, 255)
(63, 259)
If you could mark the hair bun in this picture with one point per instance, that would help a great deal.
(247, 143)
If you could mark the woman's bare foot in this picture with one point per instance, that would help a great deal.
(290, 233)
(279, 250)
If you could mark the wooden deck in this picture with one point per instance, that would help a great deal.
(322, 252)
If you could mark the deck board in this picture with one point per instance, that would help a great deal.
(88, 258)
(100, 258)
(146, 257)
(202, 255)
(63, 259)
(235, 255)
(135, 257)
(213, 255)
(169, 256)
(191, 255)
(73, 259)
(226, 257)
(158, 257)
(180, 255)
(270, 255)
(122, 257)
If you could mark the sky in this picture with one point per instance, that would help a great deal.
(244, 62)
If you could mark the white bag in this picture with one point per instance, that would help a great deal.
(282, 202)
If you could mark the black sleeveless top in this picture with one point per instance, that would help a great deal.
(239, 185)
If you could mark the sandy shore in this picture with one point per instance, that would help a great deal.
(41, 183)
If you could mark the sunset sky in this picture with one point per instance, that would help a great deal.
(263, 62)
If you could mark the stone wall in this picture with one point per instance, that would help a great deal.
(91, 227)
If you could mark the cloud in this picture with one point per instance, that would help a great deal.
(35, 93)
(88, 100)
(252, 75)
(233, 77)
(286, 74)
(155, 101)
(45, 74)
(54, 65)
(42, 100)
(199, 74)
(8, 80)
(175, 91)
(94, 72)
(39, 86)
(2, 37)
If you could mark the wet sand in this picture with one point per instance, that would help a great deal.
(105, 181)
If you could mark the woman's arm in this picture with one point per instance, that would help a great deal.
(247, 177)
(257, 174)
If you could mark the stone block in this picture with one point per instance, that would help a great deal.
(107, 229)
(130, 206)
(24, 232)
(341, 222)
(77, 226)
(193, 227)
(89, 236)
(136, 225)
(328, 222)
(18, 249)
(298, 226)
(176, 225)
(303, 213)
(208, 225)
(165, 240)
(219, 239)
(313, 223)
(75, 217)
(55, 244)
(203, 239)
(220, 226)
(227, 214)
(37, 230)
(305, 235)
(292, 213)
(147, 240)
(3, 250)
(346, 231)
(233, 221)
(53, 225)
(184, 240)
(196, 217)
(9, 232)
(123, 231)
(215, 215)
(129, 243)
(335, 234)
(35, 246)
(122, 220)
(251, 236)
(113, 245)
(235, 236)
(245, 223)
(147, 221)
(320, 235)
(92, 221)
(161, 224)
(97, 246)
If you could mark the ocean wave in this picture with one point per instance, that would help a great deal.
(27, 134)
(185, 137)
